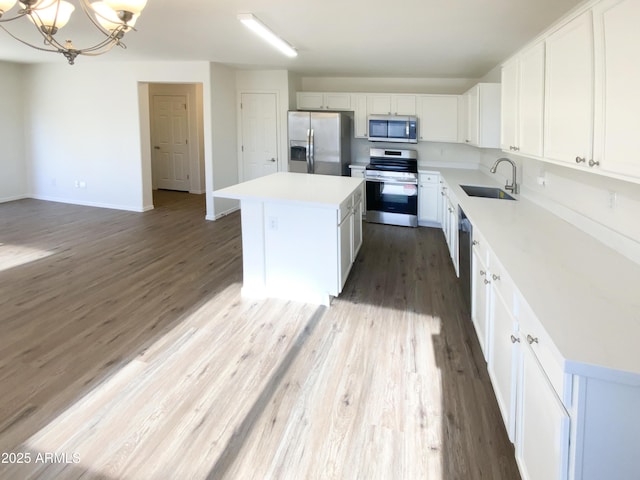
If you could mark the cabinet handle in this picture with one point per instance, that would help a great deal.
(475, 242)
(593, 164)
(482, 273)
(580, 159)
(532, 340)
(514, 339)
(486, 282)
(442, 193)
(495, 277)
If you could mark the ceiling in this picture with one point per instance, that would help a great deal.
(357, 38)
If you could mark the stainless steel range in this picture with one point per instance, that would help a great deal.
(392, 187)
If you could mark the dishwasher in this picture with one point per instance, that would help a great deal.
(465, 236)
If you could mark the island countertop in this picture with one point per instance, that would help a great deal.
(312, 190)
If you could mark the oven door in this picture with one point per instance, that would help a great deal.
(392, 202)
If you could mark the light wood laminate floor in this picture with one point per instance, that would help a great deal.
(127, 351)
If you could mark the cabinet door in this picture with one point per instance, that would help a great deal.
(473, 111)
(617, 48)
(345, 242)
(438, 118)
(428, 200)
(542, 443)
(337, 101)
(403, 104)
(509, 104)
(378, 104)
(531, 101)
(360, 126)
(357, 229)
(310, 100)
(569, 92)
(503, 357)
(479, 302)
(453, 235)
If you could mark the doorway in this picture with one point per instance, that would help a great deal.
(176, 137)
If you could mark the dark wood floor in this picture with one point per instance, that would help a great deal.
(125, 341)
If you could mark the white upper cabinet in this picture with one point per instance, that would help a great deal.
(482, 105)
(568, 122)
(523, 103)
(617, 78)
(509, 106)
(531, 101)
(438, 118)
(391, 104)
(324, 101)
(359, 104)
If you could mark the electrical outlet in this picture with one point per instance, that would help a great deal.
(613, 199)
(76, 184)
(83, 184)
(273, 223)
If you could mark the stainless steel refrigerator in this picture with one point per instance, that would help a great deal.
(320, 142)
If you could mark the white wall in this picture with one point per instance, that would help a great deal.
(13, 167)
(224, 109)
(582, 198)
(89, 123)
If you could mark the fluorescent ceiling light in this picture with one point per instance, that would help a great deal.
(261, 29)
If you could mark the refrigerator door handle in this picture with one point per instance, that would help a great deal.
(312, 166)
(308, 150)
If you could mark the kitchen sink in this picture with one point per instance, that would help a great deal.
(486, 192)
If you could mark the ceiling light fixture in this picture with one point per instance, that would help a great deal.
(113, 18)
(251, 22)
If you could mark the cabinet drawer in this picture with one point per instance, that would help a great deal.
(502, 283)
(345, 209)
(357, 196)
(532, 332)
(479, 245)
(429, 178)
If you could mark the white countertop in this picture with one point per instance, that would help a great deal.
(586, 295)
(312, 190)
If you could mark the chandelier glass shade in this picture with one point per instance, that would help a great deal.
(112, 18)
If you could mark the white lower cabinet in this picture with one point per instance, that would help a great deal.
(349, 235)
(359, 172)
(428, 199)
(542, 438)
(480, 295)
(503, 359)
(449, 218)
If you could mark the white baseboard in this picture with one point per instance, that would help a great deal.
(111, 206)
(223, 214)
(13, 198)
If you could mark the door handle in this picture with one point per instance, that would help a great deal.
(156, 147)
(272, 159)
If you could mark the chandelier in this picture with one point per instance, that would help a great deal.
(113, 18)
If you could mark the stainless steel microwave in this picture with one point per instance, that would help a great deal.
(393, 128)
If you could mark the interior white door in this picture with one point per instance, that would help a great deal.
(259, 135)
(171, 162)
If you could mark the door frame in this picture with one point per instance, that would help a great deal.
(239, 156)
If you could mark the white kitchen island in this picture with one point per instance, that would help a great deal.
(300, 234)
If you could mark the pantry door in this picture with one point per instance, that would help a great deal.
(171, 161)
(259, 140)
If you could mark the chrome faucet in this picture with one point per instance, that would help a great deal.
(514, 187)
